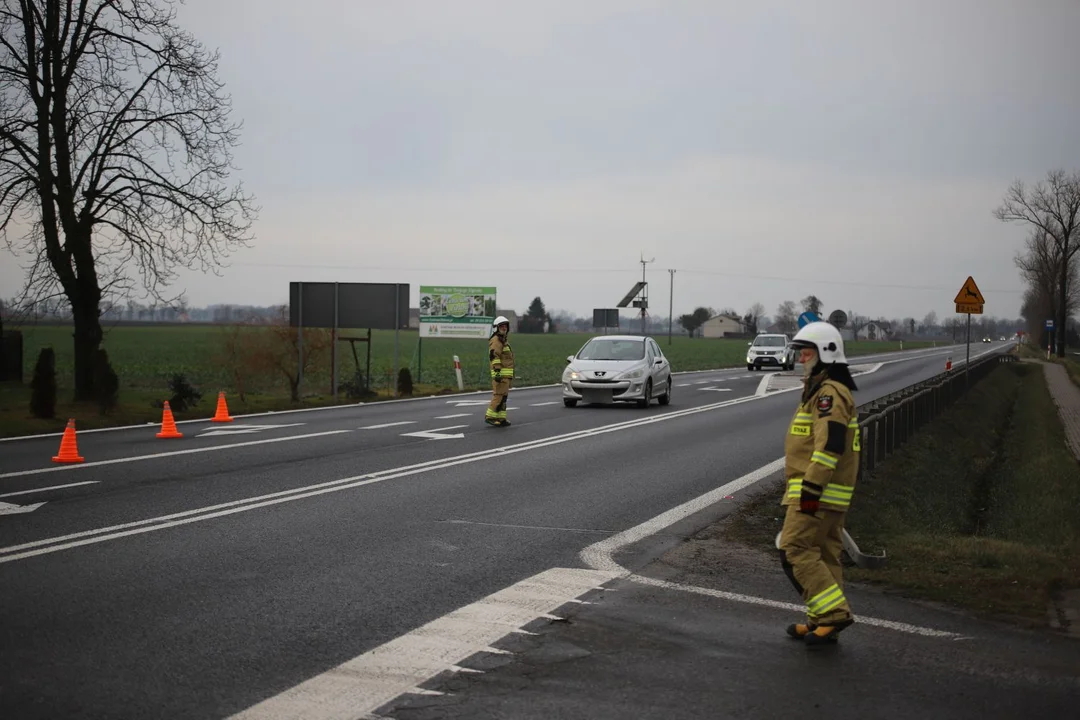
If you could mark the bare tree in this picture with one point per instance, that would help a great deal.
(786, 317)
(753, 317)
(856, 323)
(115, 150)
(930, 321)
(811, 303)
(1052, 208)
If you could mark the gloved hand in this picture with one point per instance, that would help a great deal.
(498, 376)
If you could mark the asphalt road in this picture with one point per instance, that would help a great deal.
(198, 577)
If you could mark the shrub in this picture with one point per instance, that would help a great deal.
(184, 396)
(43, 386)
(404, 382)
(106, 383)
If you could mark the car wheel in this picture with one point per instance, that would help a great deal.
(665, 399)
(750, 368)
(569, 402)
(647, 400)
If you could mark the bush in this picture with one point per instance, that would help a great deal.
(184, 396)
(106, 383)
(356, 388)
(43, 386)
(404, 382)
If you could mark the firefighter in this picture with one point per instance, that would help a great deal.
(501, 358)
(821, 452)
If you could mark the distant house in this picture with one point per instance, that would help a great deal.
(875, 331)
(722, 326)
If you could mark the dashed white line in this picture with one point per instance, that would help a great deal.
(388, 425)
(553, 402)
(51, 487)
(451, 417)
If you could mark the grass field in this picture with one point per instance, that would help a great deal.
(145, 357)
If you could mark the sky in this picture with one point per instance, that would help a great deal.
(765, 151)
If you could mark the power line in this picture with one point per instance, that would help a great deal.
(620, 271)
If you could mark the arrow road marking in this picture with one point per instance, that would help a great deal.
(9, 509)
(437, 434)
(243, 429)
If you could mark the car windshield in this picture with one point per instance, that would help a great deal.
(605, 349)
(769, 342)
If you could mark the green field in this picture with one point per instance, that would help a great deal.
(145, 357)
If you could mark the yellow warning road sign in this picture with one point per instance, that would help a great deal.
(969, 295)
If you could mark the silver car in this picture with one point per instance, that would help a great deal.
(770, 350)
(617, 368)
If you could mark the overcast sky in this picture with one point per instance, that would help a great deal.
(765, 150)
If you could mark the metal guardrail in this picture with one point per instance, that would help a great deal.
(888, 423)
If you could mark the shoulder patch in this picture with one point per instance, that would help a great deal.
(824, 403)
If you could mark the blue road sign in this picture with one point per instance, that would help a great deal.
(1049, 324)
(808, 317)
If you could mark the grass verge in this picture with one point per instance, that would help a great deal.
(978, 511)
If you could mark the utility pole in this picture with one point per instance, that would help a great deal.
(671, 307)
(644, 292)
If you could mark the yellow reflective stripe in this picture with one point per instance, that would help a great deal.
(825, 601)
(853, 424)
(506, 372)
(794, 489)
(837, 495)
(824, 459)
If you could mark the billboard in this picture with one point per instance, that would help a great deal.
(378, 306)
(453, 311)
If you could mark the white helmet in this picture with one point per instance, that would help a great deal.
(823, 337)
(499, 321)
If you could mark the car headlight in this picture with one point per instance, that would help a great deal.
(570, 374)
(632, 374)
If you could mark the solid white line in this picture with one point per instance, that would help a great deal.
(451, 417)
(154, 456)
(600, 555)
(368, 681)
(387, 425)
(51, 487)
(553, 402)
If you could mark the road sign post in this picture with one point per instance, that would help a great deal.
(1049, 338)
(969, 301)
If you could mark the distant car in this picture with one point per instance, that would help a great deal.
(1002, 338)
(772, 350)
(986, 339)
(617, 368)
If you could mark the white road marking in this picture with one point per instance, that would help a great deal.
(154, 456)
(242, 429)
(451, 417)
(716, 389)
(437, 434)
(682, 385)
(701, 382)
(553, 402)
(600, 555)
(468, 403)
(138, 527)
(368, 681)
(9, 509)
(388, 425)
(51, 487)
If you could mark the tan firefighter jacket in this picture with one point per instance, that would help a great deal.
(821, 449)
(501, 356)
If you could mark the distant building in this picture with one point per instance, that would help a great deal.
(722, 326)
(875, 331)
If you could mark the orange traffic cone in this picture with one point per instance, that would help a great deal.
(69, 449)
(222, 414)
(168, 425)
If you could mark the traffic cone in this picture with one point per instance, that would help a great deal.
(222, 414)
(69, 449)
(168, 424)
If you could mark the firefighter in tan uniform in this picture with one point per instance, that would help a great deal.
(501, 358)
(821, 454)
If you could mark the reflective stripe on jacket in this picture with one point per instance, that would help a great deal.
(501, 357)
(821, 449)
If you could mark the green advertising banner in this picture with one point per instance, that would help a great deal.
(456, 312)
